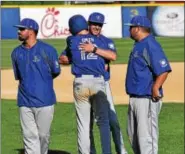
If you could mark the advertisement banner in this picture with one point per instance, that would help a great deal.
(9, 18)
(167, 20)
(53, 22)
(127, 14)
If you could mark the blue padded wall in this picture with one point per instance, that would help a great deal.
(9, 17)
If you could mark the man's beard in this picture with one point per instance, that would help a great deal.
(21, 38)
(132, 37)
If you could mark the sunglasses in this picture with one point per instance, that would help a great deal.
(132, 27)
(95, 24)
(22, 29)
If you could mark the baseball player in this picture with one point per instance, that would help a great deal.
(147, 70)
(96, 21)
(89, 85)
(35, 65)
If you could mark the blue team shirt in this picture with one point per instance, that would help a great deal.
(84, 63)
(108, 44)
(35, 69)
(147, 61)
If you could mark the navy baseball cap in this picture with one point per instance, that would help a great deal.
(77, 23)
(142, 21)
(28, 24)
(96, 18)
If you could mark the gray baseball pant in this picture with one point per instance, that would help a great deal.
(114, 125)
(35, 123)
(143, 128)
(90, 92)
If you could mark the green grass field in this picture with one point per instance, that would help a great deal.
(63, 132)
(173, 47)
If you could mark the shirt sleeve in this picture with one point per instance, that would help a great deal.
(158, 60)
(108, 44)
(66, 51)
(54, 64)
(15, 67)
(111, 46)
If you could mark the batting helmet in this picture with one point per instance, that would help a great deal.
(77, 23)
(96, 18)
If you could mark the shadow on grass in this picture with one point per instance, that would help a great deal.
(21, 151)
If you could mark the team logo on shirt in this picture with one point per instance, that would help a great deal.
(111, 46)
(163, 63)
(36, 59)
(56, 64)
(136, 54)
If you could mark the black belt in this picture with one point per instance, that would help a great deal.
(140, 96)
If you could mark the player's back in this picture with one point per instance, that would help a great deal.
(83, 62)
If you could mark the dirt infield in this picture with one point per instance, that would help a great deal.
(173, 87)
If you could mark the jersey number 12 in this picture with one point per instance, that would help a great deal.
(89, 56)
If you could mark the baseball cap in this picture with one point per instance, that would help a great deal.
(28, 24)
(97, 18)
(77, 23)
(142, 21)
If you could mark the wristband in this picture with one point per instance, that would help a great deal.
(95, 49)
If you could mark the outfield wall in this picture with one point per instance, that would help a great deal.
(167, 20)
(9, 17)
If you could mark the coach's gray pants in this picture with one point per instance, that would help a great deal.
(35, 123)
(114, 125)
(143, 128)
(90, 92)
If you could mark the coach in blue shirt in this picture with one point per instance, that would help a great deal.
(147, 70)
(35, 65)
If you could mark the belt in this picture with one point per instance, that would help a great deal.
(140, 96)
(81, 76)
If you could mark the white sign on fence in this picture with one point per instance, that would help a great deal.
(53, 22)
(168, 21)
